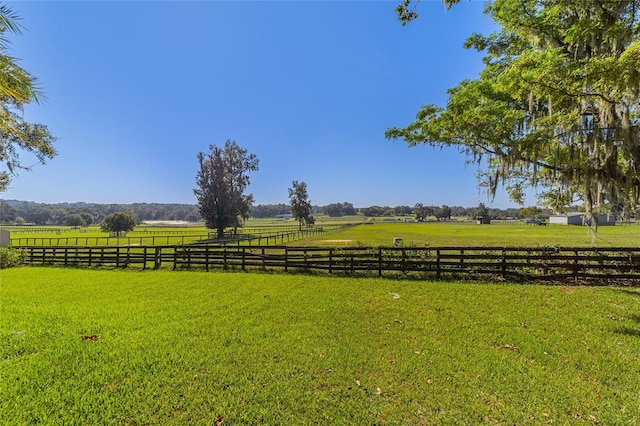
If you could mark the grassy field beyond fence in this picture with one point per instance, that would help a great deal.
(471, 234)
(376, 234)
(256, 235)
(175, 348)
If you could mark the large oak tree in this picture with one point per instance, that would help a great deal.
(222, 180)
(17, 89)
(118, 223)
(556, 106)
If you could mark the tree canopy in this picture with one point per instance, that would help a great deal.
(300, 204)
(443, 212)
(118, 223)
(480, 211)
(17, 89)
(340, 209)
(75, 220)
(556, 106)
(222, 179)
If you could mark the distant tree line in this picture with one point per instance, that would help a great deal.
(418, 211)
(422, 212)
(272, 210)
(85, 214)
(340, 209)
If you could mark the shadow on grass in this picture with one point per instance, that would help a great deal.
(630, 331)
(628, 292)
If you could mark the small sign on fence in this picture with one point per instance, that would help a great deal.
(5, 238)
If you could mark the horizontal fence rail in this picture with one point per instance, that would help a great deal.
(105, 241)
(575, 264)
(239, 237)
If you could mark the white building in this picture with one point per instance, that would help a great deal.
(576, 218)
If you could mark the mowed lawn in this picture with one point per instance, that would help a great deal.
(471, 234)
(176, 348)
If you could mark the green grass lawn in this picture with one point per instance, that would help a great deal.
(191, 347)
(472, 234)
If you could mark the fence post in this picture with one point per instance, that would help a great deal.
(286, 259)
(244, 254)
(144, 257)
(575, 267)
(438, 263)
(224, 257)
(504, 263)
(379, 261)
(175, 258)
(404, 260)
(157, 261)
(331, 261)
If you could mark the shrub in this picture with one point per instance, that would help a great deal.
(10, 257)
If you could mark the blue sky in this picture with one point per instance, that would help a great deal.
(136, 89)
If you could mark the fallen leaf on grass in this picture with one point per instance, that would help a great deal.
(218, 421)
(91, 337)
(512, 347)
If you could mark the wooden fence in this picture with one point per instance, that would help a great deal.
(106, 241)
(241, 237)
(573, 265)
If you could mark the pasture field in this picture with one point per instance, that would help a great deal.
(175, 348)
(160, 235)
(461, 234)
(433, 234)
(65, 236)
